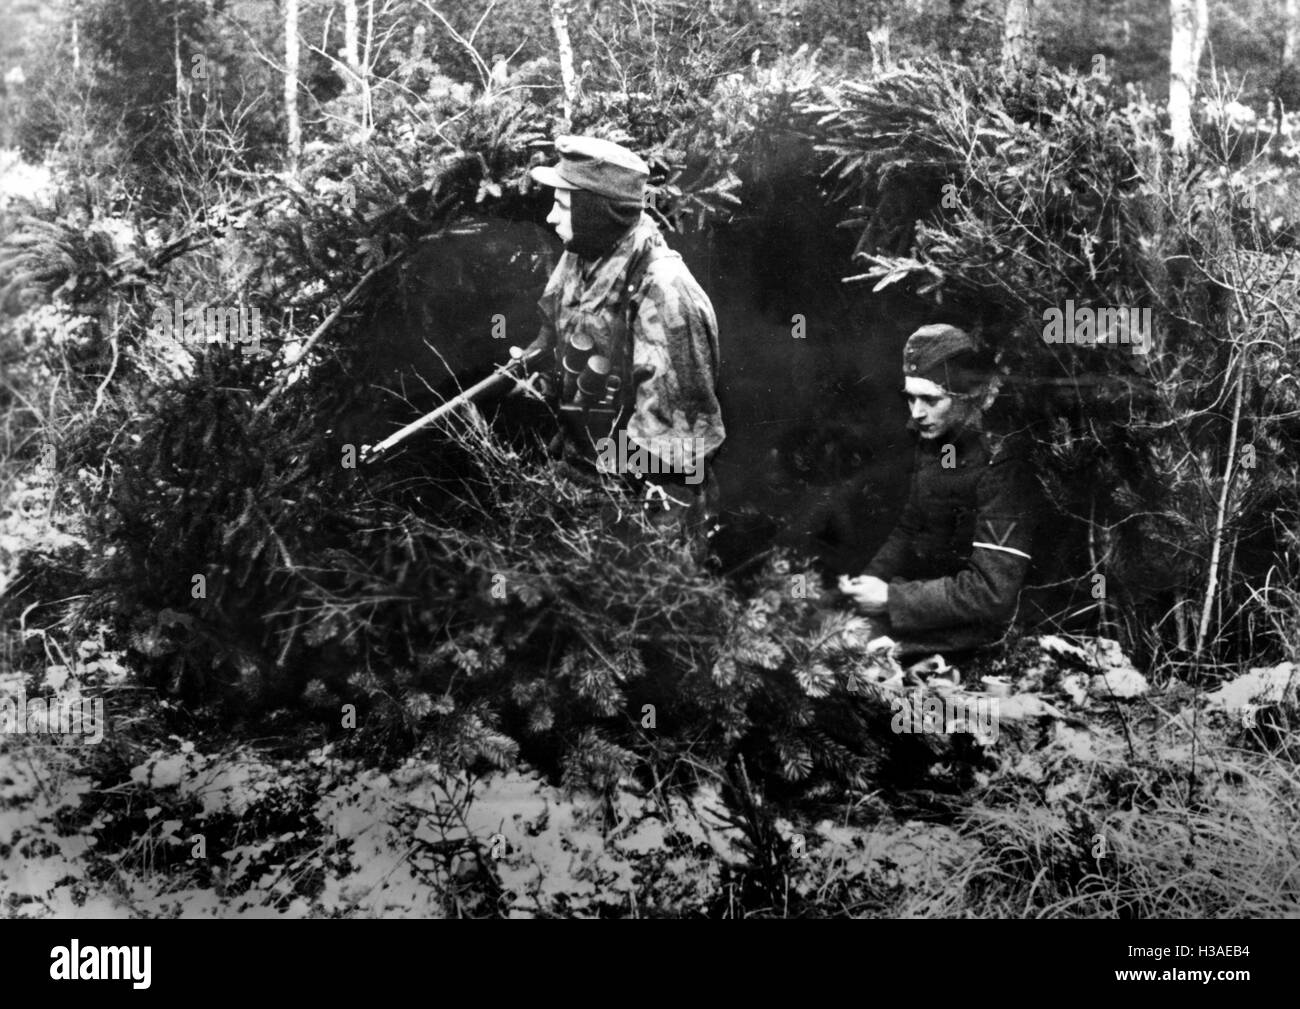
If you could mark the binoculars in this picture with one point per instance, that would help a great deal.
(587, 381)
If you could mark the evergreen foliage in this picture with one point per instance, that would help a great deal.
(1000, 200)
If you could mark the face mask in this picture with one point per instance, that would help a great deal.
(599, 223)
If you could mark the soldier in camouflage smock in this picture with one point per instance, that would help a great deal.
(635, 338)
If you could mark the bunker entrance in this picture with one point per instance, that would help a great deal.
(816, 455)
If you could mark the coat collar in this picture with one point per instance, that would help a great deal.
(975, 446)
(598, 277)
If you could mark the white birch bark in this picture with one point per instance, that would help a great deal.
(568, 77)
(292, 122)
(1017, 34)
(351, 53)
(1188, 28)
(177, 69)
(1291, 32)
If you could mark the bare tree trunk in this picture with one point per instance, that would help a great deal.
(1190, 22)
(368, 57)
(177, 69)
(1216, 548)
(1202, 34)
(1017, 35)
(351, 47)
(1095, 568)
(568, 77)
(878, 39)
(293, 125)
(1291, 32)
(76, 44)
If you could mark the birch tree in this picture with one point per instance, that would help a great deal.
(351, 52)
(1017, 35)
(1189, 26)
(76, 40)
(568, 77)
(878, 39)
(1291, 32)
(357, 60)
(293, 125)
(178, 71)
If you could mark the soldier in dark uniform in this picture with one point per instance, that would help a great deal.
(948, 578)
(635, 338)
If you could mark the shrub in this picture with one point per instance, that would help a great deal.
(998, 199)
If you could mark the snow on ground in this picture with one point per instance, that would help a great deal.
(400, 843)
(22, 181)
(1261, 685)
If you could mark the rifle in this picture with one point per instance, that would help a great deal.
(521, 363)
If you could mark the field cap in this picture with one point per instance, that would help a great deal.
(946, 356)
(598, 166)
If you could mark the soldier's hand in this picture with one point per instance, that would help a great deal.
(870, 594)
(536, 386)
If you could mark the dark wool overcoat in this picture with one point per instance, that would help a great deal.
(957, 559)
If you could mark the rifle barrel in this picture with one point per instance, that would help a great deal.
(502, 374)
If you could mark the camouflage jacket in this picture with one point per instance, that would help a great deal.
(960, 552)
(674, 336)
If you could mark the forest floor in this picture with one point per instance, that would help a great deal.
(1161, 803)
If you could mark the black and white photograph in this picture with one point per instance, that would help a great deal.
(596, 459)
